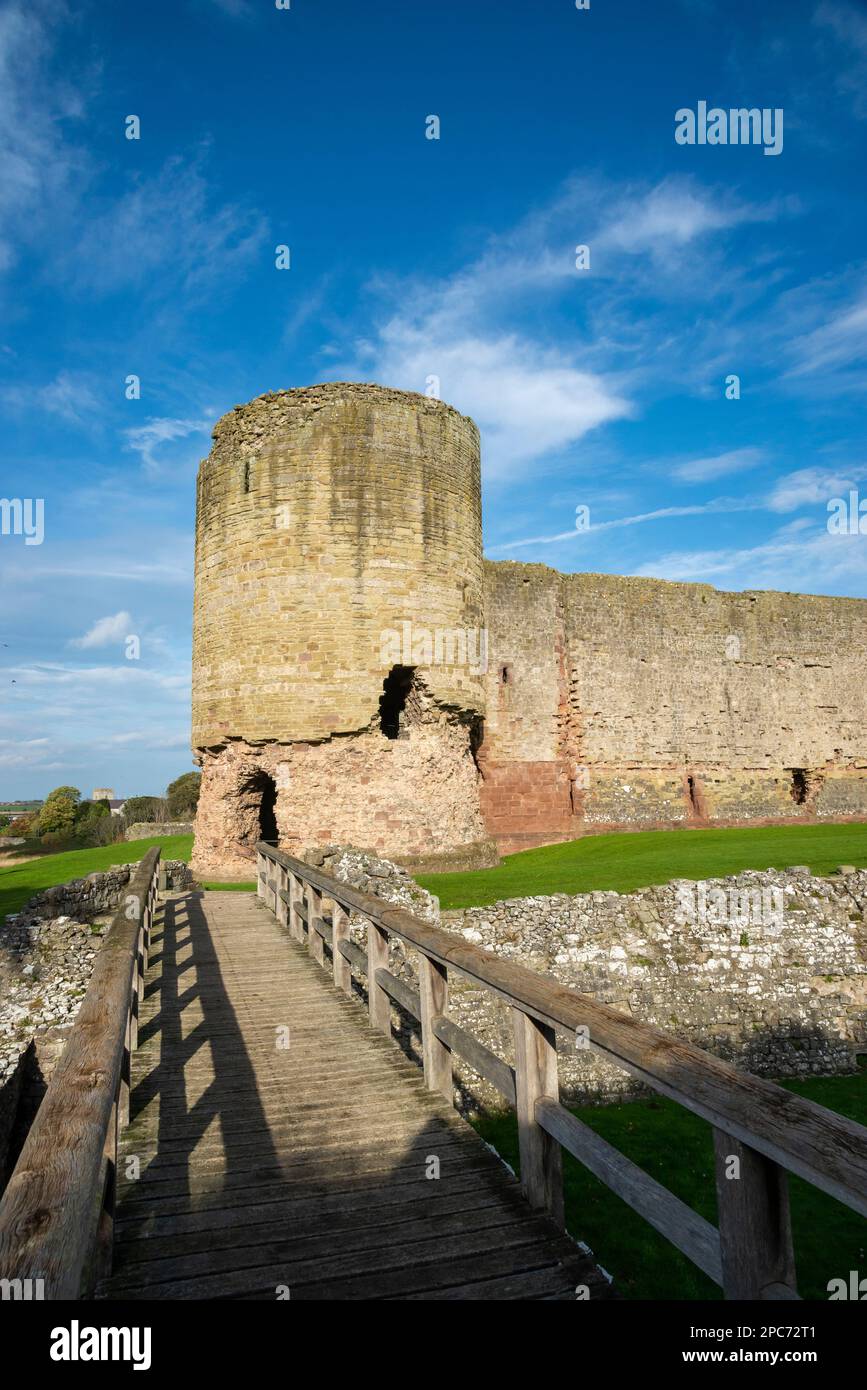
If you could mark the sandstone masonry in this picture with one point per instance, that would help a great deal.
(360, 675)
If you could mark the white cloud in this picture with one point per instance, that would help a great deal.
(702, 470)
(672, 215)
(526, 399)
(146, 440)
(69, 396)
(105, 631)
(718, 504)
(839, 341)
(790, 561)
(38, 165)
(811, 486)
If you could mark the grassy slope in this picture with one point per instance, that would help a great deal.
(21, 881)
(675, 1147)
(638, 859)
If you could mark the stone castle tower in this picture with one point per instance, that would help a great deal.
(338, 536)
(362, 676)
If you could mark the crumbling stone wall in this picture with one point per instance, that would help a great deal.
(620, 703)
(87, 898)
(779, 993)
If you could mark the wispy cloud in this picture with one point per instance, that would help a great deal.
(848, 24)
(105, 631)
(147, 440)
(718, 504)
(812, 486)
(704, 470)
(39, 164)
(166, 233)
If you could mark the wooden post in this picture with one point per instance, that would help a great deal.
(754, 1225)
(377, 959)
(282, 910)
(124, 1083)
(260, 875)
(536, 1077)
(315, 944)
(433, 981)
(340, 966)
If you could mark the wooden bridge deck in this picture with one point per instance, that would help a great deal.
(300, 1171)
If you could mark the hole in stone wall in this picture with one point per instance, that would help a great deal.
(694, 795)
(247, 477)
(800, 786)
(267, 813)
(392, 703)
(477, 738)
(506, 675)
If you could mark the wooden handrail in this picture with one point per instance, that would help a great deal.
(766, 1129)
(56, 1216)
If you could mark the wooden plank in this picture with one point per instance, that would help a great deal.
(535, 1080)
(354, 955)
(754, 1223)
(665, 1212)
(434, 998)
(400, 992)
(479, 1057)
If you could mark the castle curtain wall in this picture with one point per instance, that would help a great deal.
(633, 703)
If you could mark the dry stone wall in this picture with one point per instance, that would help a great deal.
(146, 830)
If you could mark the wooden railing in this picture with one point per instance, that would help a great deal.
(761, 1132)
(57, 1213)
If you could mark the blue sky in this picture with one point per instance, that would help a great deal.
(411, 258)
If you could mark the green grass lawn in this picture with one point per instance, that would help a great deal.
(638, 859)
(20, 881)
(676, 1148)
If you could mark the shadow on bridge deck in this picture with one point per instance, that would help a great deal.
(279, 1148)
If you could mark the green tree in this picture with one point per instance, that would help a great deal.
(144, 808)
(183, 795)
(58, 812)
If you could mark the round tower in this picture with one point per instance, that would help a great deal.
(339, 648)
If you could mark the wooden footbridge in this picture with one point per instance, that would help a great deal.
(227, 1122)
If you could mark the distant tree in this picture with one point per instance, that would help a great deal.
(144, 808)
(58, 812)
(22, 825)
(183, 795)
(4, 821)
(88, 814)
